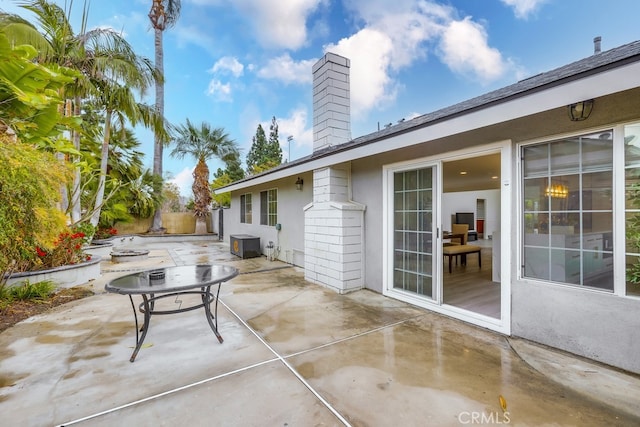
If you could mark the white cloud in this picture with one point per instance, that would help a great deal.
(278, 24)
(465, 50)
(192, 35)
(393, 37)
(295, 126)
(285, 69)
(220, 91)
(184, 181)
(408, 24)
(228, 64)
(369, 51)
(523, 8)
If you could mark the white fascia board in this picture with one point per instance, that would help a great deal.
(616, 80)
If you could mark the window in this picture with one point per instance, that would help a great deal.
(245, 208)
(269, 207)
(568, 211)
(632, 207)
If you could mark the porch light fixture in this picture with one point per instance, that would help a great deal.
(580, 110)
(299, 184)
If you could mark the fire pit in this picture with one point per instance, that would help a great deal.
(127, 255)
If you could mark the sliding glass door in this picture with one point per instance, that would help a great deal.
(413, 231)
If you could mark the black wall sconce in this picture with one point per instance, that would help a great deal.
(299, 184)
(580, 110)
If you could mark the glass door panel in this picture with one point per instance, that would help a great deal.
(413, 213)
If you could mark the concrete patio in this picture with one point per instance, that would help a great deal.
(294, 354)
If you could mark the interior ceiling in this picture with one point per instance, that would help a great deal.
(480, 173)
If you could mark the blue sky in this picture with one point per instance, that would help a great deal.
(237, 63)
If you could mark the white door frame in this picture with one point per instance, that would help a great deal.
(504, 148)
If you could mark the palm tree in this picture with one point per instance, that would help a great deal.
(163, 15)
(119, 104)
(203, 143)
(98, 54)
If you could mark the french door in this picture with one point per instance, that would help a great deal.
(414, 239)
(412, 244)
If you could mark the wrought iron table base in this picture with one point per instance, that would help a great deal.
(147, 307)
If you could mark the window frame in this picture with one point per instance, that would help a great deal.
(269, 207)
(617, 227)
(246, 215)
(626, 165)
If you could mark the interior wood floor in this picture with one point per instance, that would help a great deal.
(470, 287)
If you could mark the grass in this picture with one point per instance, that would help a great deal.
(26, 291)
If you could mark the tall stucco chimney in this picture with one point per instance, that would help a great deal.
(331, 101)
(596, 45)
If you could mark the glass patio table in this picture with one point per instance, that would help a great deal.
(168, 282)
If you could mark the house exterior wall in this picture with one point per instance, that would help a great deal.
(599, 325)
(592, 324)
(291, 202)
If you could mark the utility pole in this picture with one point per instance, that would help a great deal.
(289, 139)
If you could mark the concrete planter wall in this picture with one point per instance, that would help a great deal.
(101, 248)
(64, 277)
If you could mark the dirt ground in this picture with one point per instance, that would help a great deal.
(17, 311)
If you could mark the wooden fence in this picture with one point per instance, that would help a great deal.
(174, 222)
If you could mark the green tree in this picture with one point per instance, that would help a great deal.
(171, 198)
(264, 154)
(203, 143)
(233, 172)
(130, 189)
(99, 55)
(274, 152)
(30, 176)
(222, 199)
(29, 100)
(29, 184)
(256, 154)
(163, 14)
(117, 99)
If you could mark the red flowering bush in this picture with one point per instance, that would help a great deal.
(105, 233)
(67, 250)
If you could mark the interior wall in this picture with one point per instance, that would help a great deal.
(465, 201)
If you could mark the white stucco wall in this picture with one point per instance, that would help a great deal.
(593, 324)
(291, 202)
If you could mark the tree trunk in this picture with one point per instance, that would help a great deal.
(156, 226)
(95, 216)
(201, 225)
(76, 210)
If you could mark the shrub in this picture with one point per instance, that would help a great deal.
(86, 228)
(105, 233)
(27, 291)
(67, 250)
(30, 182)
